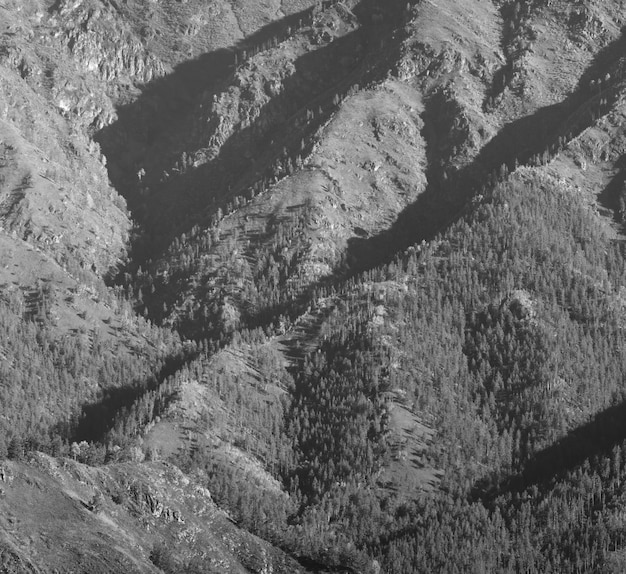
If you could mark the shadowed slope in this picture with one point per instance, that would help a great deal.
(530, 140)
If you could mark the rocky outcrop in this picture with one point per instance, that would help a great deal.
(75, 519)
(152, 502)
(100, 44)
(107, 56)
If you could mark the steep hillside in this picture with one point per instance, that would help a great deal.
(65, 68)
(132, 517)
(275, 152)
(354, 268)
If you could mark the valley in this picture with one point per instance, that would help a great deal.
(299, 286)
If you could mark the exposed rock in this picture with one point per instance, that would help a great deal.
(520, 303)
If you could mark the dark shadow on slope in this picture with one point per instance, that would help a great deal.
(150, 124)
(152, 132)
(530, 140)
(547, 468)
(596, 438)
(248, 158)
(613, 196)
(164, 101)
(149, 132)
(100, 417)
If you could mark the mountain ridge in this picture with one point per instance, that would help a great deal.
(354, 269)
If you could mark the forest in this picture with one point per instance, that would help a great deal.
(506, 363)
(431, 383)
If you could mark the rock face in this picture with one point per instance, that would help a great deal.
(56, 193)
(141, 508)
(65, 70)
(520, 304)
(151, 502)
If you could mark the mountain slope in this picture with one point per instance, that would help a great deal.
(59, 514)
(355, 268)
